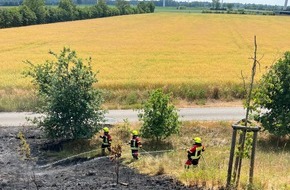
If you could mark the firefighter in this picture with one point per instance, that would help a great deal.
(135, 144)
(107, 140)
(194, 153)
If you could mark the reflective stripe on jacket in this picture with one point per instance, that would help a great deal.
(135, 143)
(107, 140)
(197, 153)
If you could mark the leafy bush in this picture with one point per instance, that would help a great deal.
(72, 105)
(160, 118)
(273, 94)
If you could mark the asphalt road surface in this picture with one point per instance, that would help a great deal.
(116, 116)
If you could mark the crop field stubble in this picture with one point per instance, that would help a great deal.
(149, 50)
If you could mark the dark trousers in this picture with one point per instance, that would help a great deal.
(193, 161)
(104, 147)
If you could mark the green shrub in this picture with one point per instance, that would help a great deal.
(71, 104)
(273, 94)
(160, 118)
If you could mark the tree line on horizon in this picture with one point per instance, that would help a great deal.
(32, 12)
(168, 3)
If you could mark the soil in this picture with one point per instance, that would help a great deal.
(18, 173)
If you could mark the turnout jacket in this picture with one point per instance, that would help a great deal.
(135, 143)
(107, 139)
(195, 152)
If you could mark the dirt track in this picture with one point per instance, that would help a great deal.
(17, 173)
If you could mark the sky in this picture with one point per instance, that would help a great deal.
(268, 2)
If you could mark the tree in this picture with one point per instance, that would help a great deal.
(145, 7)
(28, 16)
(71, 104)
(36, 6)
(1, 19)
(123, 6)
(6, 18)
(160, 118)
(16, 17)
(142, 7)
(10, 18)
(53, 15)
(84, 13)
(273, 94)
(68, 10)
(101, 9)
(151, 6)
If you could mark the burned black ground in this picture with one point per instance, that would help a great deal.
(98, 173)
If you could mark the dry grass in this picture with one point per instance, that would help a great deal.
(149, 50)
(271, 165)
(17, 100)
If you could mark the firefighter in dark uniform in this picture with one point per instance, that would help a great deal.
(135, 144)
(107, 140)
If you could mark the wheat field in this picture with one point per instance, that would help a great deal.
(151, 49)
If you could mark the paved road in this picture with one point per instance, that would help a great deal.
(115, 116)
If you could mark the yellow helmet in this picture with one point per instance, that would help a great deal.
(197, 139)
(135, 132)
(106, 129)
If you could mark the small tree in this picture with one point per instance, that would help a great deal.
(160, 118)
(71, 104)
(273, 94)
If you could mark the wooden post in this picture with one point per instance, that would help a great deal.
(241, 157)
(229, 177)
(237, 160)
(238, 163)
(251, 175)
